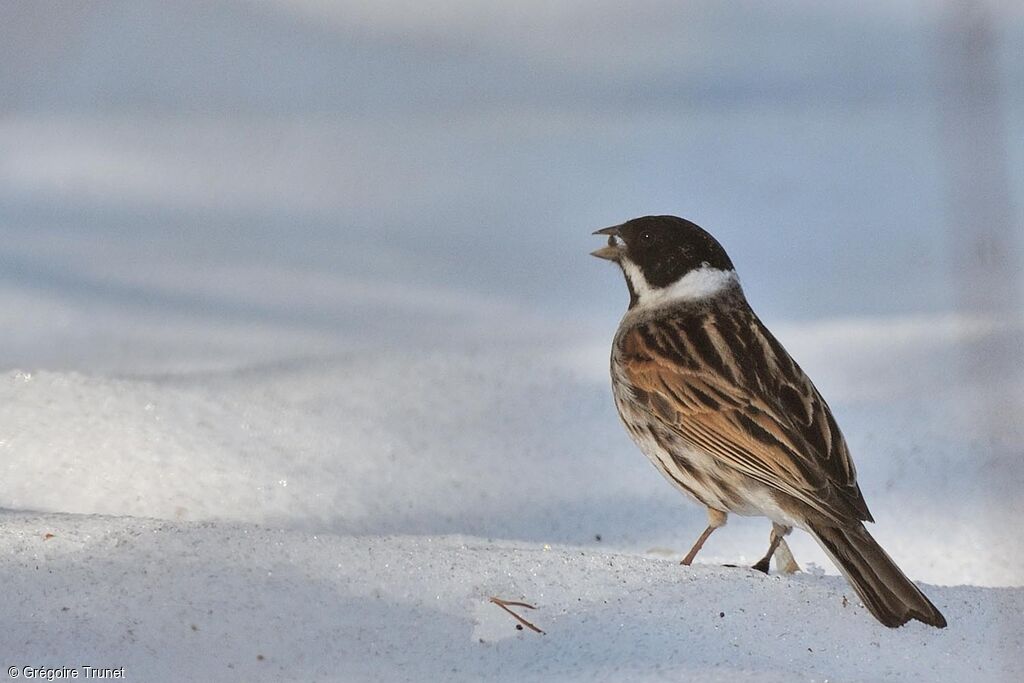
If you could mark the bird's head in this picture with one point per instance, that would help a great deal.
(667, 259)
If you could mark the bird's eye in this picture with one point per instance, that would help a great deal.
(645, 236)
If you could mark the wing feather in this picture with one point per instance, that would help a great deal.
(724, 384)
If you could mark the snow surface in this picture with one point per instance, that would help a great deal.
(224, 601)
(303, 358)
(347, 517)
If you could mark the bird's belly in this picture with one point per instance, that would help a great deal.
(688, 469)
(699, 474)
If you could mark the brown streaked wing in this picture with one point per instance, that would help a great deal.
(738, 395)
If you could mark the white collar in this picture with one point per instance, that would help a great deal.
(701, 283)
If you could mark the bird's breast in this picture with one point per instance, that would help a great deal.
(691, 469)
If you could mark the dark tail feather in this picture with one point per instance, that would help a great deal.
(885, 590)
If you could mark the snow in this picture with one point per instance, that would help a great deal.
(304, 359)
(348, 517)
(225, 601)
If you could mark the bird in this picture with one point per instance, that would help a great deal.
(728, 417)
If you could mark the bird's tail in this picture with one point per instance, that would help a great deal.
(885, 590)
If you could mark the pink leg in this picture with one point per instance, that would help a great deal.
(716, 518)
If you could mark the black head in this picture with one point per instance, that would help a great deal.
(664, 248)
(667, 258)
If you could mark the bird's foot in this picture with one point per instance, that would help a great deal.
(784, 560)
(762, 565)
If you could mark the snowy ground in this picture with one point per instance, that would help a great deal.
(349, 516)
(303, 359)
(224, 601)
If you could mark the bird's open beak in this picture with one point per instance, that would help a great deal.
(613, 251)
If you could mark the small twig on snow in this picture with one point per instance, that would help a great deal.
(505, 604)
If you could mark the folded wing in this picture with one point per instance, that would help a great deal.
(722, 382)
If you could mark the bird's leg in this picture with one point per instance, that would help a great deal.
(784, 560)
(716, 518)
(773, 543)
(777, 546)
(688, 560)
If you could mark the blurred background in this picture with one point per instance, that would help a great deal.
(339, 171)
(192, 191)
